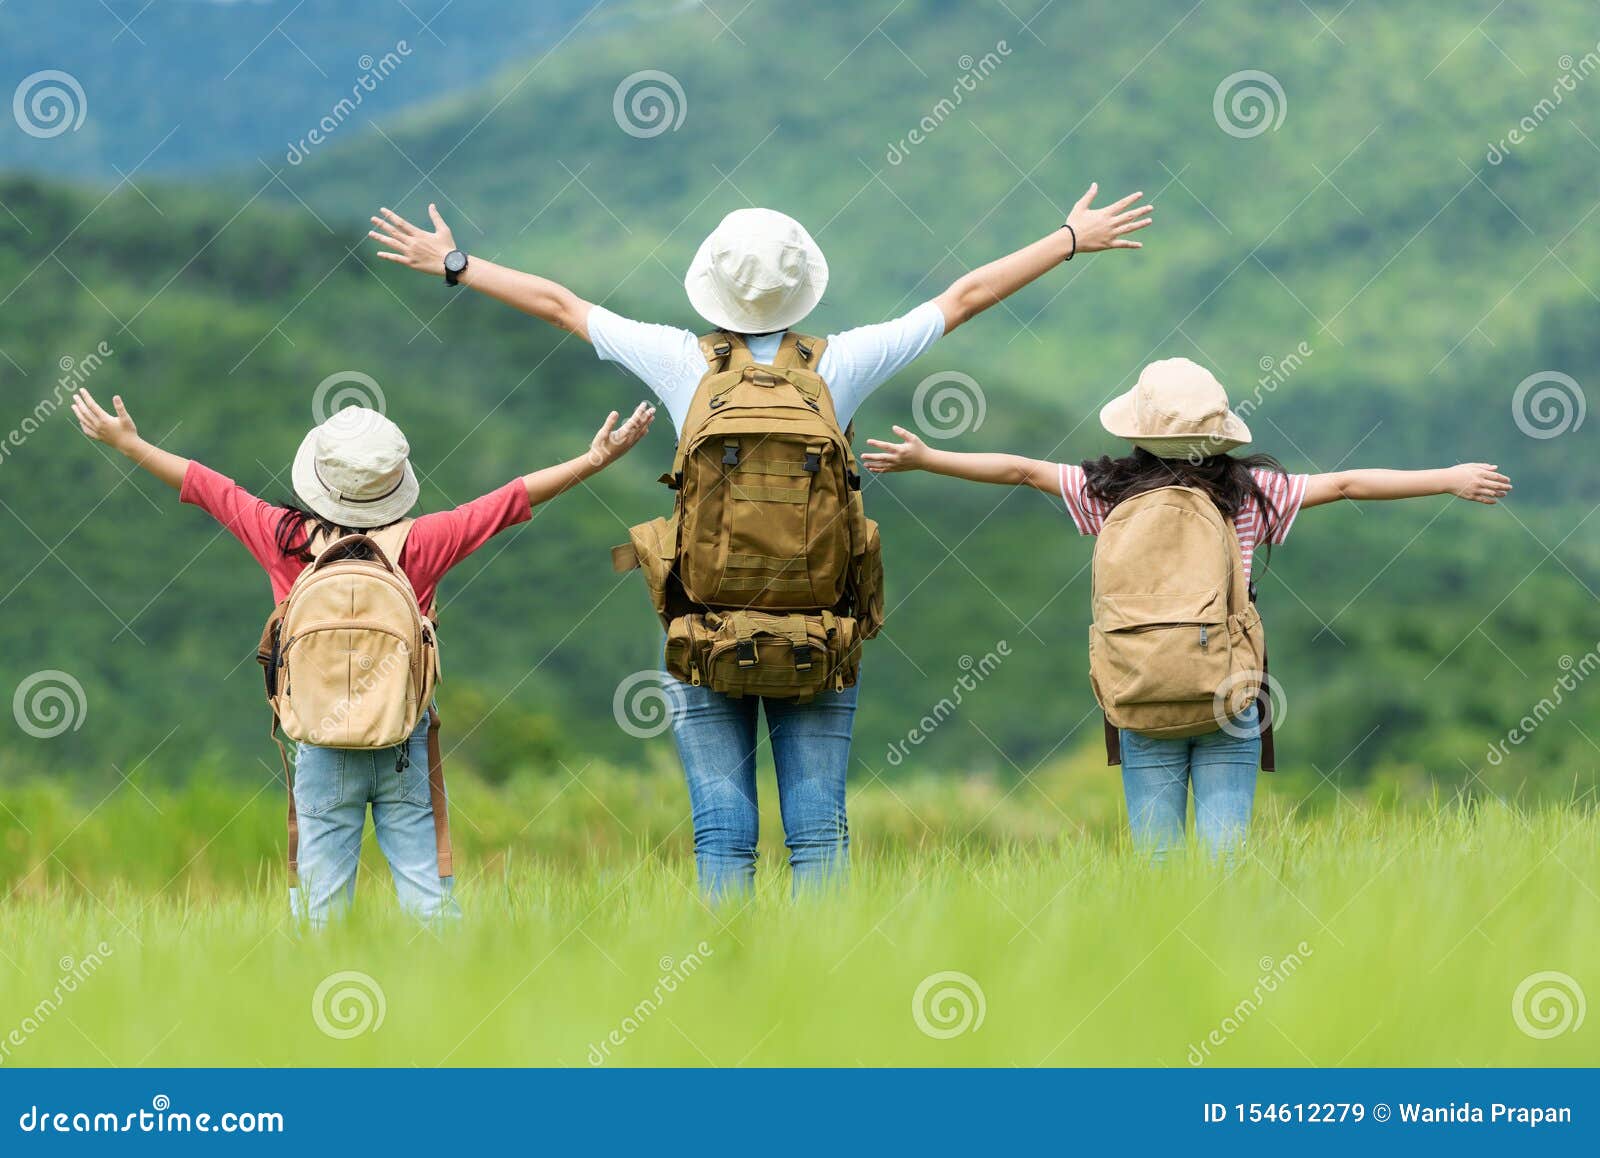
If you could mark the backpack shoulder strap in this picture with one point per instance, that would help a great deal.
(724, 351)
(799, 352)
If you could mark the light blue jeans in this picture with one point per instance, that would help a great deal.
(332, 788)
(716, 737)
(1157, 775)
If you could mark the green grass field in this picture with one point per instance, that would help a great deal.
(1356, 932)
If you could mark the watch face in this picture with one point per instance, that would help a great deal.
(455, 261)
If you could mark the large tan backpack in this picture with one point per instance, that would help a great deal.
(1177, 645)
(351, 661)
(768, 574)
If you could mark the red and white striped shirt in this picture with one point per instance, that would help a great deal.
(1285, 491)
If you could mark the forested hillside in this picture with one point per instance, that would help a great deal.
(1362, 271)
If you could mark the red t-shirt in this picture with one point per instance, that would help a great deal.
(437, 542)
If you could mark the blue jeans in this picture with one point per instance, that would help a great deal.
(1157, 775)
(332, 788)
(716, 737)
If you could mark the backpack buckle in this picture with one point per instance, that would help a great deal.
(745, 651)
(813, 461)
(802, 657)
(722, 349)
(805, 350)
(854, 480)
(730, 453)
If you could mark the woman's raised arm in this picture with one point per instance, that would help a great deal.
(417, 249)
(119, 433)
(1092, 230)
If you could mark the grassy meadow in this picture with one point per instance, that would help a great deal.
(1354, 932)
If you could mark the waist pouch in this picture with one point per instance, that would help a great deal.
(788, 656)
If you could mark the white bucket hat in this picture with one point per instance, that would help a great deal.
(1176, 410)
(758, 272)
(354, 470)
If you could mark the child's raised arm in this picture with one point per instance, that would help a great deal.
(914, 454)
(119, 433)
(1477, 482)
(610, 443)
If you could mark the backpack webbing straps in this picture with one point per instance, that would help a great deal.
(1269, 755)
(437, 798)
(724, 351)
(1113, 742)
(293, 817)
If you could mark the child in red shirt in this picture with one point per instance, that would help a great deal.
(353, 473)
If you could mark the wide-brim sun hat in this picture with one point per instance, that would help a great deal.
(1177, 409)
(355, 470)
(759, 271)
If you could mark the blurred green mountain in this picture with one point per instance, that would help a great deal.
(1362, 270)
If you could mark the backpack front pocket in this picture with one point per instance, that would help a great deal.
(1164, 663)
(349, 686)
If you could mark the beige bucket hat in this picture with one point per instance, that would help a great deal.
(1177, 409)
(354, 470)
(759, 271)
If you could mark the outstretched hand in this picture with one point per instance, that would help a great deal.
(611, 442)
(115, 430)
(1478, 482)
(412, 247)
(892, 456)
(1108, 227)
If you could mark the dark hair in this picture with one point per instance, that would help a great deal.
(1229, 481)
(297, 525)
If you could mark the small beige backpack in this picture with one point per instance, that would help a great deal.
(351, 661)
(1177, 645)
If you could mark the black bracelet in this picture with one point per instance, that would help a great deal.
(1067, 225)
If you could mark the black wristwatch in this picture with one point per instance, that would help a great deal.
(455, 264)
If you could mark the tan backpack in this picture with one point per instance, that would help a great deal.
(351, 662)
(768, 574)
(1177, 644)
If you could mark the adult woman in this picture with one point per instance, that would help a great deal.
(758, 275)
